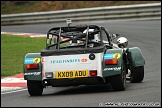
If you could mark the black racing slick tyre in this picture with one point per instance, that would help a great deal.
(35, 88)
(118, 82)
(137, 74)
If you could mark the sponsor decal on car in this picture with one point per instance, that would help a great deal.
(28, 61)
(113, 69)
(36, 60)
(69, 61)
(32, 73)
(84, 60)
(108, 56)
(112, 56)
(116, 55)
(31, 60)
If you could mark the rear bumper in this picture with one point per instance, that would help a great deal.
(74, 81)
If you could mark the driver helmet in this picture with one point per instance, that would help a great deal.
(94, 37)
(122, 42)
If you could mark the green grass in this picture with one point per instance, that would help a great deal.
(13, 50)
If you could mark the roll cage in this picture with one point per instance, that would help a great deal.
(79, 36)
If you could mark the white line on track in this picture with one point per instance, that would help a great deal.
(14, 91)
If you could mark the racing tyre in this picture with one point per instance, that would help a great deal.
(137, 74)
(35, 88)
(118, 82)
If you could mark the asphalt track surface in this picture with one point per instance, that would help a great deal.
(143, 34)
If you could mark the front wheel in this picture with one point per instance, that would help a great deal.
(137, 74)
(35, 88)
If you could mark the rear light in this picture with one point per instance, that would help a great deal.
(93, 72)
(32, 66)
(111, 62)
(43, 59)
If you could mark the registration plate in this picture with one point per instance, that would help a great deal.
(71, 74)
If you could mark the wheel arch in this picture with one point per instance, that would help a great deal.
(135, 57)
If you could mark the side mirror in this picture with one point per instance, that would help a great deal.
(122, 42)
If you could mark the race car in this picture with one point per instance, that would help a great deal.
(83, 55)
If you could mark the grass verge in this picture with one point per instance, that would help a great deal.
(13, 50)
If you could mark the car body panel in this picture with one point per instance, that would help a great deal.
(109, 70)
(64, 63)
(35, 74)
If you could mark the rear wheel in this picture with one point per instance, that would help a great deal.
(35, 88)
(118, 82)
(137, 74)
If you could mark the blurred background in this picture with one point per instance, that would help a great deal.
(14, 7)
